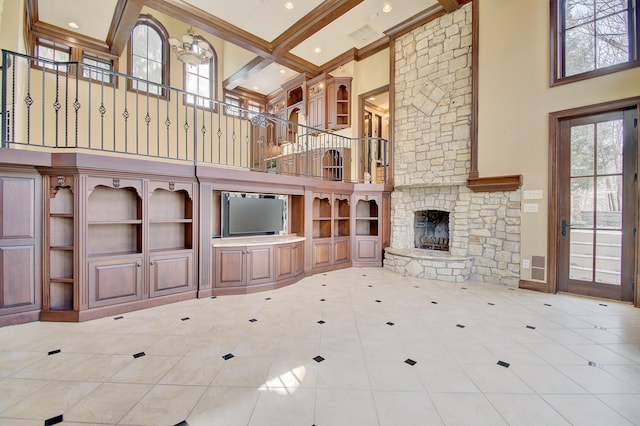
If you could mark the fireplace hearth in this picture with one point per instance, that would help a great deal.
(431, 230)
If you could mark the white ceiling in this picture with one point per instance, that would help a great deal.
(266, 19)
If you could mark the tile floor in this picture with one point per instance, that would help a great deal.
(361, 346)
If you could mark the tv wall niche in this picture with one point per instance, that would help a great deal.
(245, 214)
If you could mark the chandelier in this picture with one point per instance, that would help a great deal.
(191, 48)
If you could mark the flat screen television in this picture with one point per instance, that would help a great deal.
(245, 214)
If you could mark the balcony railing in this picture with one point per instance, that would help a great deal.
(59, 106)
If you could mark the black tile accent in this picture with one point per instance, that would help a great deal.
(227, 357)
(530, 327)
(182, 423)
(323, 300)
(503, 364)
(364, 275)
(318, 358)
(595, 364)
(253, 320)
(369, 285)
(416, 286)
(324, 274)
(434, 302)
(491, 304)
(460, 326)
(390, 323)
(324, 285)
(139, 354)
(512, 289)
(117, 318)
(378, 301)
(602, 304)
(268, 298)
(321, 322)
(547, 304)
(214, 297)
(53, 420)
(410, 362)
(464, 288)
(185, 319)
(55, 351)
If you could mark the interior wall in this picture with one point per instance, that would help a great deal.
(515, 99)
(11, 25)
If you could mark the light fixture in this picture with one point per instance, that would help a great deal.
(288, 5)
(256, 88)
(73, 25)
(317, 50)
(372, 98)
(387, 8)
(283, 71)
(191, 48)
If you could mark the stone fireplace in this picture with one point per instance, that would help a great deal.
(431, 230)
(431, 203)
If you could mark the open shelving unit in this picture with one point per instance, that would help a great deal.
(321, 217)
(61, 247)
(170, 221)
(367, 218)
(342, 218)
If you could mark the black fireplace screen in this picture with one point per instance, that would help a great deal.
(431, 229)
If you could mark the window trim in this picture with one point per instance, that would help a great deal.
(557, 51)
(245, 97)
(152, 22)
(213, 77)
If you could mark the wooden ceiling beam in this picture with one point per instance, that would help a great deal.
(449, 5)
(198, 18)
(254, 66)
(124, 19)
(327, 12)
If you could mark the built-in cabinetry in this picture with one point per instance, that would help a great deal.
(331, 230)
(246, 265)
(367, 240)
(338, 103)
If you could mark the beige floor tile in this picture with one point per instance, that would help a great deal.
(585, 410)
(405, 408)
(525, 410)
(193, 370)
(466, 409)
(164, 405)
(147, 369)
(339, 407)
(107, 404)
(291, 408)
(13, 391)
(224, 406)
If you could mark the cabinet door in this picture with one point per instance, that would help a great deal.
(285, 259)
(368, 249)
(342, 250)
(115, 280)
(260, 265)
(230, 267)
(321, 253)
(170, 273)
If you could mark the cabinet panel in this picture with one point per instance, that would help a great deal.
(260, 263)
(18, 220)
(342, 250)
(230, 267)
(321, 253)
(298, 266)
(170, 273)
(285, 258)
(115, 281)
(17, 282)
(368, 249)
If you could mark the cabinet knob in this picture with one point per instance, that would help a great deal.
(139, 264)
(151, 263)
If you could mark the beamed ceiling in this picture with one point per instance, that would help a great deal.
(269, 36)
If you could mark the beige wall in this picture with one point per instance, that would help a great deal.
(515, 99)
(11, 24)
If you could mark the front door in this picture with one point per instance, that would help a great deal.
(597, 205)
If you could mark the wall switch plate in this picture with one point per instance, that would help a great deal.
(525, 264)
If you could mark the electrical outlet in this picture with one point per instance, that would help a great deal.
(525, 264)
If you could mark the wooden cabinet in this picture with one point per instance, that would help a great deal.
(316, 103)
(367, 220)
(248, 268)
(115, 279)
(338, 103)
(331, 238)
(170, 273)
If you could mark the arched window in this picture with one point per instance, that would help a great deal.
(201, 80)
(149, 55)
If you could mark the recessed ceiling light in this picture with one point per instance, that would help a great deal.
(283, 71)
(317, 50)
(372, 98)
(288, 5)
(387, 8)
(255, 88)
(73, 25)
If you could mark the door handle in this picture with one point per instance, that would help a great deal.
(564, 228)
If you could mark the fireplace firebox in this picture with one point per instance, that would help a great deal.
(431, 230)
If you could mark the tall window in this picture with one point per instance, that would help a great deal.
(149, 55)
(201, 80)
(593, 37)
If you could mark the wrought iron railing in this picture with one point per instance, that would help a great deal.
(50, 105)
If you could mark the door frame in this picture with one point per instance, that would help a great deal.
(553, 222)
